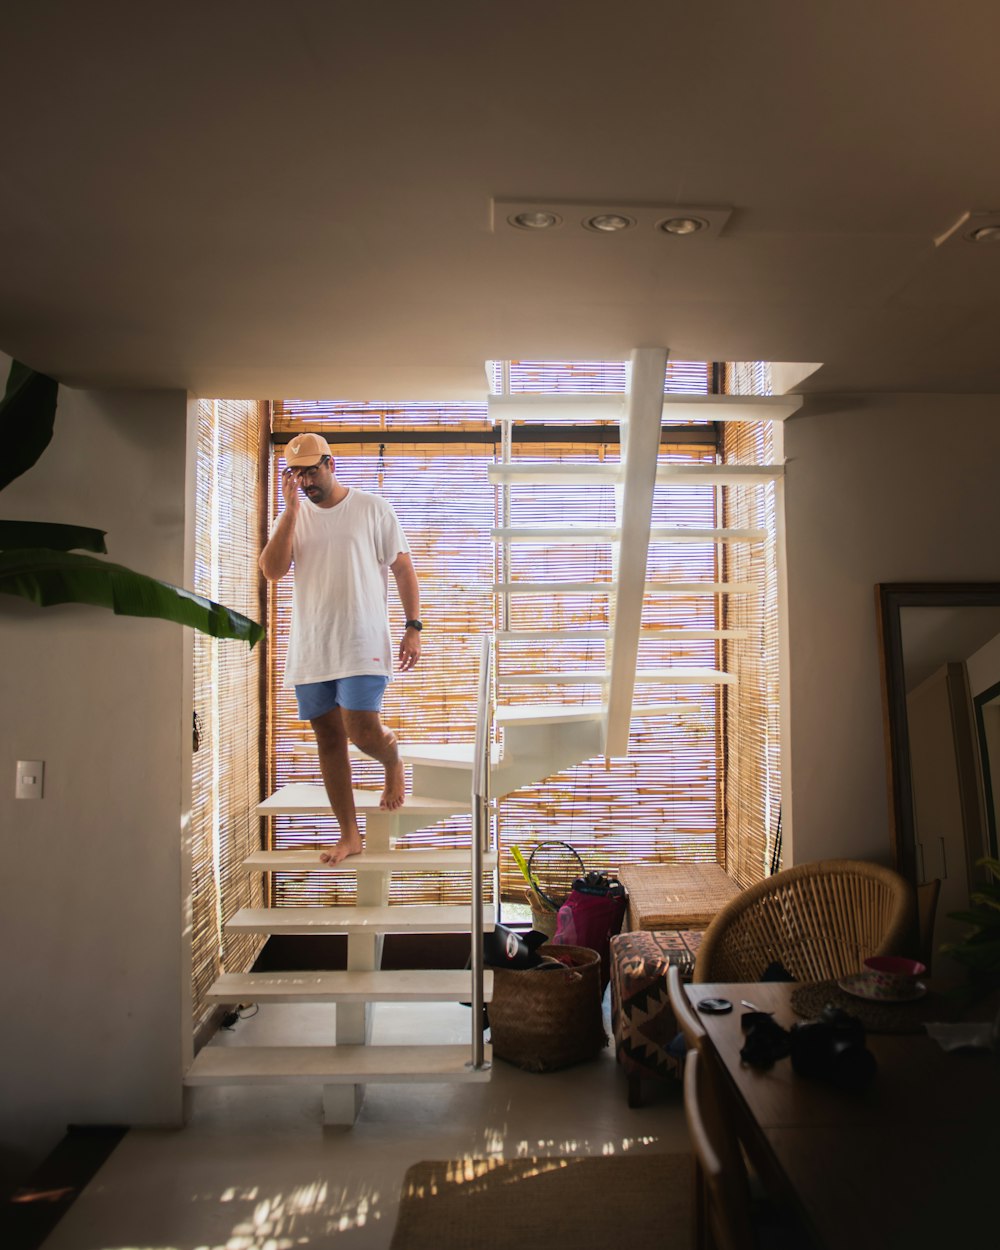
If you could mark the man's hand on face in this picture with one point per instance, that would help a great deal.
(290, 489)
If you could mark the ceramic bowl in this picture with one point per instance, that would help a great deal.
(892, 976)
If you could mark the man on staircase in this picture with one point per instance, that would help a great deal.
(343, 543)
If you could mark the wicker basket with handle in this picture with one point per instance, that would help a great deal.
(542, 1019)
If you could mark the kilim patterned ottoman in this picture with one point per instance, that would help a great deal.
(641, 1015)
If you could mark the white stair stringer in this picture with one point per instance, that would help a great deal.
(432, 985)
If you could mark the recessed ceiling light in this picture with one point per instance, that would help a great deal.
(607, 216)
(608, 223)
(535, 219)
(986, 234)
(683, 225)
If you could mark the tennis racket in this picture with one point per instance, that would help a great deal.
(552, 869)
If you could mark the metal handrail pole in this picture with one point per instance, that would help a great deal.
(480, 817)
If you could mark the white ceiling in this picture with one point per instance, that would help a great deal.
(293, 199)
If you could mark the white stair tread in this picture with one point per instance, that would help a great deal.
(551, 588)
(435, 985)
(729, 407)
(610, 588)
(671, 632)
(332, 1065)
(401, 919)
(549, 713)
(581, 408)
(718, 474)
(553, 635)
(368, 861)
(699, 588)
(689, 534)
(667, 676)
(665, 709)
(610, 473)
(663, 632)
(303, 797)
(557, 533)
(442, 754)
(612, 533)
(676, 408)
(547, 473)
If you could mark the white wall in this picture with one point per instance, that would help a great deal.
(984, 667)
(878, 488)
(95, 974)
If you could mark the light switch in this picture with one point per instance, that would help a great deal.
(30, 777)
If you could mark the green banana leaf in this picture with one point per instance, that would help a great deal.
(50, 534)
(27, 413)
(48, 577)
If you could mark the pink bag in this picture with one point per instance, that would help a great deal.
(592, 920)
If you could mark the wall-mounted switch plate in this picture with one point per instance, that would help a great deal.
(30, 778)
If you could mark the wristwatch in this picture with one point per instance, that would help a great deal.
(415, 624)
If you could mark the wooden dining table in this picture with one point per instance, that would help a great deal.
(910, 1161)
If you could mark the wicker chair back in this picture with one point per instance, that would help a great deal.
(820, 921)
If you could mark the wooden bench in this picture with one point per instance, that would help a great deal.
(675, 896)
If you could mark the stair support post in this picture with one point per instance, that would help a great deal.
(640, 452)
(353, 1021)
(480, 833)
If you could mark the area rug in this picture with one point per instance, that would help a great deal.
(583, 1202)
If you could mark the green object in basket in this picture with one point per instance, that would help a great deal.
(522, 864)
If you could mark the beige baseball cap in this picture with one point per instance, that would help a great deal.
(306, 449)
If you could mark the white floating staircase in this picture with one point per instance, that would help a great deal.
(538, 740)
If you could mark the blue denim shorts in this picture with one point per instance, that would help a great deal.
(356, 694)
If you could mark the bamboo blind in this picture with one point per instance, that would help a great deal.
(752, 707)
(588, 377)
(227, 683)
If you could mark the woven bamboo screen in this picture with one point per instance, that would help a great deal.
(752, 707)
(662, 802)
(227, 686)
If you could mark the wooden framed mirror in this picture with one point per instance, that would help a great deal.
(940, 656)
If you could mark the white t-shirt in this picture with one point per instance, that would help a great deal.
(340, 621)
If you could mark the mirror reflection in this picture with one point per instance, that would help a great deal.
(943, 722)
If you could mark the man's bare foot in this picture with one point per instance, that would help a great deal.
(348, 845)
(395, 786)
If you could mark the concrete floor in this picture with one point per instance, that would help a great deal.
(255, 1168)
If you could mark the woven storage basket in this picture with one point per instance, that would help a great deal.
(544, 1020)
(543, 919)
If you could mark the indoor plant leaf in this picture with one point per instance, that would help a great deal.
(49, 577)
(50, 534)
(27, 413)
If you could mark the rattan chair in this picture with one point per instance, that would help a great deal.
(723, 1212)
(684, 1013)
(819, 921)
